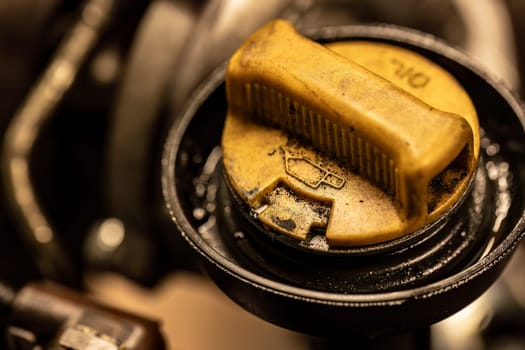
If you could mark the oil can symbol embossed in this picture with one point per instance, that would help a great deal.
(310, 173)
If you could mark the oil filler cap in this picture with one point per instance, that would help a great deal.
(358, 142)
(357, 189)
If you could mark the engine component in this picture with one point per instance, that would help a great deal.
(45, 315)
(353, 289)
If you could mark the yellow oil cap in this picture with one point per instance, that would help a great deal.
(363, 141)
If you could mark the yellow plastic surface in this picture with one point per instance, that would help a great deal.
(364, 141)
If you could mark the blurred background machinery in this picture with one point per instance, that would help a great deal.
(88, 91)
